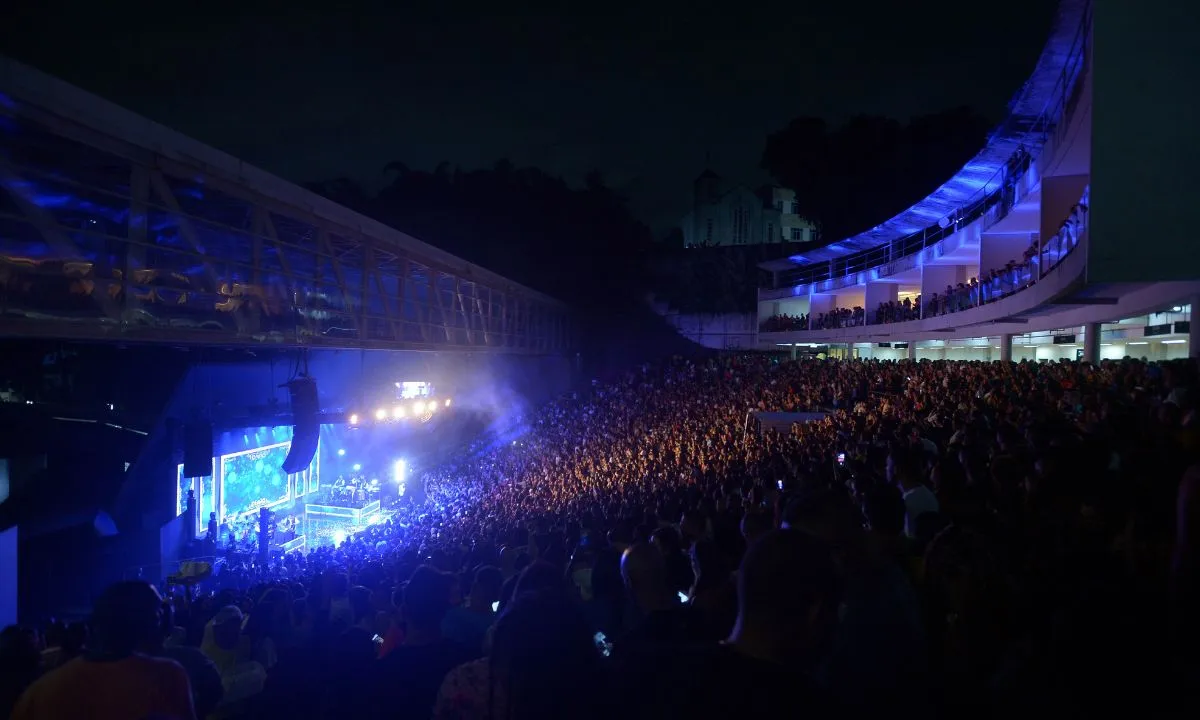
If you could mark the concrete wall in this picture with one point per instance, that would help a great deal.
(770, 308)
(877, 293)
(718, 332)
(935, 278)
(1144, 149)
(1059, 195)
(8, 577)
(995, 250)
(819, 303)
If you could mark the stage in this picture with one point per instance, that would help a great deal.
(355, 477)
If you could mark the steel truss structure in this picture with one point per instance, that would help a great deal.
(115, 228)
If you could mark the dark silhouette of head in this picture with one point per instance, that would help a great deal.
(544, 657)
(537, 577)
(485, 588)
(426, 599)
(788, 592)
(754, 525)
(645, 572)
(126, 617)
(227, 627)
(883, 507)
(18, 651)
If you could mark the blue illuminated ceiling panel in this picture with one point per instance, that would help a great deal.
(1024, 127)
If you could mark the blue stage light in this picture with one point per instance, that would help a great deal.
(357, 467)
(341, 453)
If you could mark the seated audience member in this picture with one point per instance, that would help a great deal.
(112, 679)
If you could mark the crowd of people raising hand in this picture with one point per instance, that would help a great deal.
(989, 538)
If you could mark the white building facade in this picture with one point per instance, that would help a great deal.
(726, 213)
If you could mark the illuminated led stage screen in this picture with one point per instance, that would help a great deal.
(253, 479)
(247, 475)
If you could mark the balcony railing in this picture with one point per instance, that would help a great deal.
(1000, 283)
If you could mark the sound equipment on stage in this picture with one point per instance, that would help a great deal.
(306, 424)
(197, 449)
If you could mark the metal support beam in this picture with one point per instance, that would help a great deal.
(178, 250)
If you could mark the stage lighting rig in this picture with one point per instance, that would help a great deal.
(414, 401)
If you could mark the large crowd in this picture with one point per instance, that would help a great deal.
(982, 538)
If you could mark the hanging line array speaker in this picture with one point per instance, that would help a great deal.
(306, 425)
(197, 449)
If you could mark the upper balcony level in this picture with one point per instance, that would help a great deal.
(986, 189)
(1015, 257)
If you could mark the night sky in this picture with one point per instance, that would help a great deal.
(642, 93)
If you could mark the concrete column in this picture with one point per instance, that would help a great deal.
(935, 278)
(818, 304)
(1006, 343)
(878, 293)
(912, 350)
(996, 249)
(794, 351)
(1091, 343)
(1194, 329)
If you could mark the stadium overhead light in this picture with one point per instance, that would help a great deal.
(432, 406)
(447, 402)
(418, 407)
(354, 419)
(357, 467)
(381, 414)
(341, 453)
(398, 412)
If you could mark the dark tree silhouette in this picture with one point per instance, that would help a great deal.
(853, 177)
(580, 244)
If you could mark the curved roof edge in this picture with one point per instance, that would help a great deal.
(982, 174)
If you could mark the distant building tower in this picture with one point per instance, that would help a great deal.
(725, 213)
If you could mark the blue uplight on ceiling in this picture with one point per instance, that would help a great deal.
(51, 201)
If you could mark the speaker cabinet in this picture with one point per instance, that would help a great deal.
(306, 427)
(197, 449)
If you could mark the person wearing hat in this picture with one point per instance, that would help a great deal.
(229, 649)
